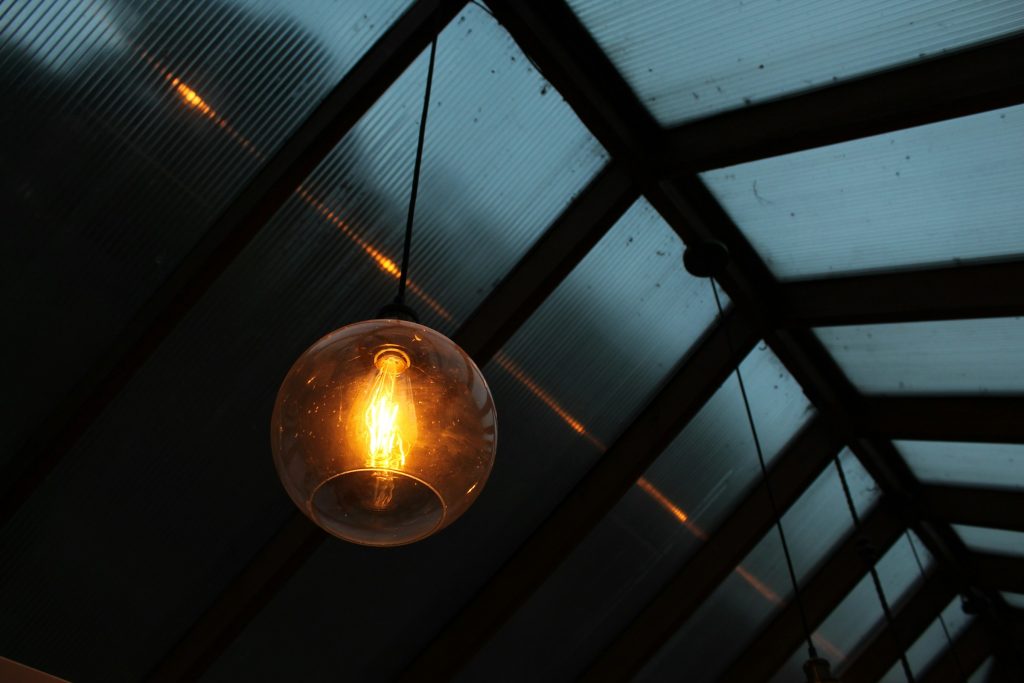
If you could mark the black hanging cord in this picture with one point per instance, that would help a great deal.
(942, 621)
(400, 299)
(868, 554)
(812, 653)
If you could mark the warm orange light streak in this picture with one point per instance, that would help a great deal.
(382, 261)
(662, 500)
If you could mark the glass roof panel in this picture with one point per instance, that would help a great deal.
(955, 356)
(985, 540)
(175, 481)
(1014, 599)
(934, 195)
(988, 465)
(931, 643)
(558, 408)
(651, 532)
(127, 128)
(688, 60)
(729, 620)
(984, 672)
(859, 615)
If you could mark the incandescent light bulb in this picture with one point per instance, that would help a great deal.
(384, 432)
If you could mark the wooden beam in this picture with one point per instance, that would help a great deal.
(272, 185)
(999, 572)
(975, 291)
(996, 508)
(955, 84)
(969, 650)
(537, 274)
(984, 419)
(909, 622)
(676, 403)
(803, 460)
(825, 590)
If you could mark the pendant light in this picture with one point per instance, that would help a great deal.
(384, 431)
(709, 259)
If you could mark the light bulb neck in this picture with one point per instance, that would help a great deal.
(398, 311)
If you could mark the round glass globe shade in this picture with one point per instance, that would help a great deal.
(384, 432)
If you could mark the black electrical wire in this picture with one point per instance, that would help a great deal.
(868, 555)
(942, 621)
(400, 299)
(813, 654)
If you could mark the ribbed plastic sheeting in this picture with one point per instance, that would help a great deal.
(984, 672)
(733, 615)
(651, 532)
(173, 490)
(686, 60)
(1014, 599)
(931, 643)
(127, 127)
(943, 194)
(570, 380)
(996, 541)
(956, 356)
(859, 616)
(985, 465)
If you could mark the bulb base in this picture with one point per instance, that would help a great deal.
(706, 259)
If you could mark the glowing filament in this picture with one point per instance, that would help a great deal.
(388, 408)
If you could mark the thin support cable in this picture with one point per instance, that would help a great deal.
(942, 620)
(400, 299)
(811, 651)
(867, 552)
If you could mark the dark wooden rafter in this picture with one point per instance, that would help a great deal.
(703, 371)
(969, 651)
(806, 456)
(933, 89)
(909, 622)
(537, 274)
(821, 594)
(975, 291)
(271, 186)
(983, 419)
(995, 508)
(999, 572)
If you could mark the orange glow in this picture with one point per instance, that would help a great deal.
(382, 261)
(661, 499)
(192, 98)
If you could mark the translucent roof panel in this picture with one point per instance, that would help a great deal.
(859, 615)
(997, 466)
(941, 194)
(1014, 599)
(175, 482)
(651, 532)
(985, 540)
(932, 643)
(955, 356)
(984, 672)
(637, 313)
(127, 128)
(742, 606)
(688, 60)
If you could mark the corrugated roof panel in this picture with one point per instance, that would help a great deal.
(850, 625)
(932, 643)
(988, 465)
(1014, 599)
(955, 356)
(175, 482)
(732, 616)
(985, 540)
(984, 672)
(943, 194)
(570, 380)
(689, 60)
(127, 128)
(651, 532)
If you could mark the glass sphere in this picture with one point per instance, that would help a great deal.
(384, 432)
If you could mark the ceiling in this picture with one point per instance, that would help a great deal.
(196, 191)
